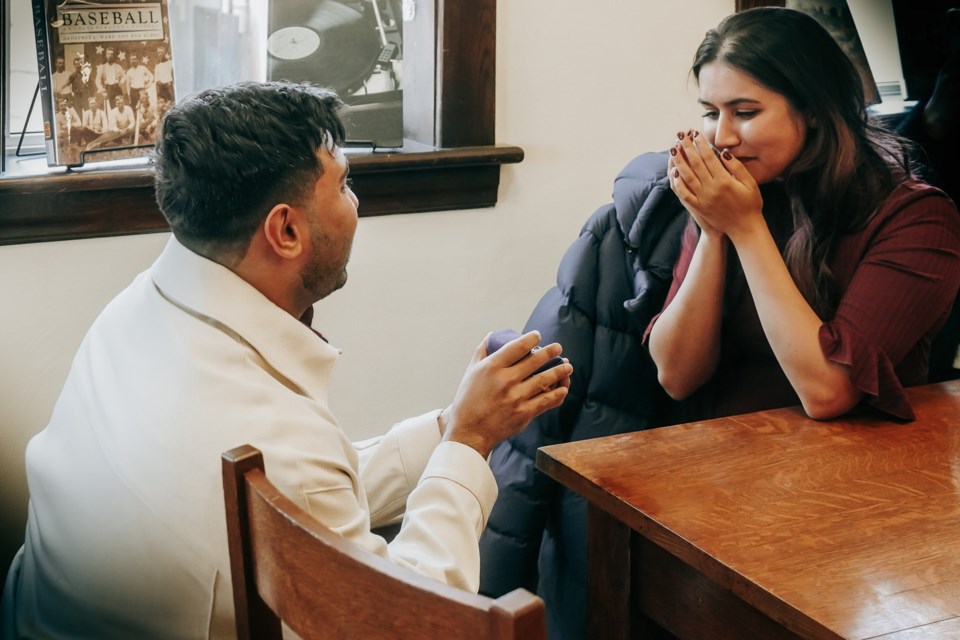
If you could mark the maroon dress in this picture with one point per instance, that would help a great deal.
(897, 277)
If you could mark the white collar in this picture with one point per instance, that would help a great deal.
(212, 292)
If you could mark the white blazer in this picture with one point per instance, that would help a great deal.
(126, 533)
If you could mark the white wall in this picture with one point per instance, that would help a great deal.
(582, 87)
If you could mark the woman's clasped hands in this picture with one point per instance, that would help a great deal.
(715, 187)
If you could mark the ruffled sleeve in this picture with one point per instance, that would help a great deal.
(871, 370)
(899, 278)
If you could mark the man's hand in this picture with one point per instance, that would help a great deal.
(498, 395)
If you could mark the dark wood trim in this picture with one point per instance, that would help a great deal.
(450, 162)
(743, 5)
(4, 46)
(89, 204)
(466, 72)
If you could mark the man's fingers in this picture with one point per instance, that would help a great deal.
(515, 350)
(539, 357)
(549, 380)
(481, 351)
(549, 400)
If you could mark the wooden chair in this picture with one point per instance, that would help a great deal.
(287, 566)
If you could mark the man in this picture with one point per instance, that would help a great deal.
(212, 348)
(163, 75)
(110, 75)
(122, 121)
(62, 80)
(138, 78)
(148, 120)
(83, 86)
(68, 121)
(93, 120)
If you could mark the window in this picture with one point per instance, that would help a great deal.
(875, 25)
(448, 159)
(20, 67)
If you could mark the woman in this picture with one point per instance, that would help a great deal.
(817, 269)
(864, 233)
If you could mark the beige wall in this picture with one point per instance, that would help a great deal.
(581, 86)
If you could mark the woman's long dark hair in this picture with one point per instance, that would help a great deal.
(848, 164)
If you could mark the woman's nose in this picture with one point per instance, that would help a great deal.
(726, 135)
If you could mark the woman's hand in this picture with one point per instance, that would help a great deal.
(725, 196)
(717, 190)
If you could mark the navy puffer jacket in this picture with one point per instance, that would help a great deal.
(610, 283)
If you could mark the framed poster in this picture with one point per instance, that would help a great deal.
(105, 75)
(354, 47)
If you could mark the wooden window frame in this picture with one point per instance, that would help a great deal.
(743, 5)
(449, 160)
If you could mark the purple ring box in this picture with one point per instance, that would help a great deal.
(499, 338)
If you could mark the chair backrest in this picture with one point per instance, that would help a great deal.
(287, 566)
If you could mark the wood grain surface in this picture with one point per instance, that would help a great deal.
(840, 529)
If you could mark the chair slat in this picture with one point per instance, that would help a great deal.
(288, 566)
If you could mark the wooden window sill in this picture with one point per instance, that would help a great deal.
(67, 205)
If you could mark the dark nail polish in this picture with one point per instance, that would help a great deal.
(696, 134)
(673, 151)
(676, 173)
(680, 135)
(727, 155)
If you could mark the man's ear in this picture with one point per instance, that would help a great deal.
(285, 229)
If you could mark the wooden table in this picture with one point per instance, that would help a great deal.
(771, 525)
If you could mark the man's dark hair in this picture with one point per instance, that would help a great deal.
(226, 156)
